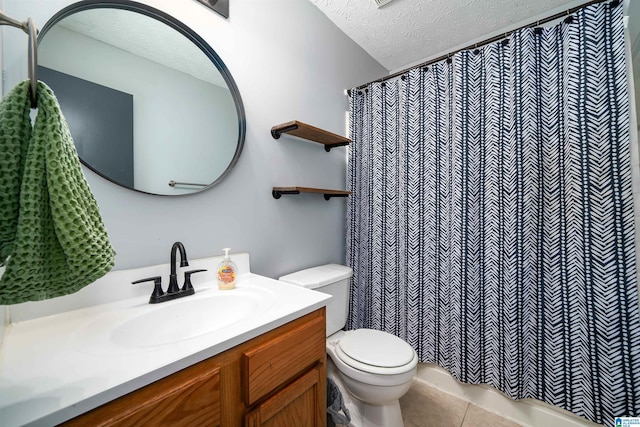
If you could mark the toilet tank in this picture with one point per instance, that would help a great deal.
(332, 279)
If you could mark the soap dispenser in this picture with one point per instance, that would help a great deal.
(227, 271)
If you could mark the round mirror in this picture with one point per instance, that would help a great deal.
(149, 103)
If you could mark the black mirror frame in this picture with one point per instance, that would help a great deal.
(192, 36)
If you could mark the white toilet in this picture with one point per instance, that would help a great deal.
(373, 369)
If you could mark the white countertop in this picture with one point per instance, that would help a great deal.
(56, 367)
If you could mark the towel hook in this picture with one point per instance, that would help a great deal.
(30, 28)
(33, 61)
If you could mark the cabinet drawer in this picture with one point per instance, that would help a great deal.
(187, 398)
(278, 361)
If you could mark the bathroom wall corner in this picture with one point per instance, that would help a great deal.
(633, 78)
(1, 56)
(4, 322)
(4, 309)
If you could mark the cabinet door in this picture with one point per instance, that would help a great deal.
(188, 398)
(295, 405)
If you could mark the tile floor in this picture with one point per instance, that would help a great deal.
(425, 406)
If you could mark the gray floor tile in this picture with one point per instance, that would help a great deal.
(425, 406)
(478, 417)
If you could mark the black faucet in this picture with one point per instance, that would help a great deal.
(173, 279)
(173, 291)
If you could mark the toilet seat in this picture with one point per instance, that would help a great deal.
(376, 352)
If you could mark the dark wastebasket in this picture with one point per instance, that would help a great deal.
(337, 412)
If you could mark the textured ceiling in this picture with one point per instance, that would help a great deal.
(405, 32)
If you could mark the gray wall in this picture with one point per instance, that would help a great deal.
(289, 62)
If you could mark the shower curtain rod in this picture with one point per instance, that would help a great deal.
(486, 42)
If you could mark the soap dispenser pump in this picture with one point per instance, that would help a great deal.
(227, 271)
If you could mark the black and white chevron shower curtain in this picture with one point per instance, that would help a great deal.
(491, 222)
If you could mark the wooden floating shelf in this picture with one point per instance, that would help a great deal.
(277, 192)
(312, 133)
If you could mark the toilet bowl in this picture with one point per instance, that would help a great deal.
(375, 390)
(372, 369)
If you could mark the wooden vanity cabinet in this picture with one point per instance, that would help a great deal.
(276, 379)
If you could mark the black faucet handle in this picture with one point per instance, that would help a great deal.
(187, 279)
(157, 288)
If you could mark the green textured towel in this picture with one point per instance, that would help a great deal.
(50, 225)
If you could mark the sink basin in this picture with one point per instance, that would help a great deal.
(184, 320)
(135, 326)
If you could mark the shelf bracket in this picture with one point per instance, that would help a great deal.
(278, 193)
(328, 147)
(329, 196)
(275, 133)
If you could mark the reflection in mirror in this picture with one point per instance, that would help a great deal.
(150, 105)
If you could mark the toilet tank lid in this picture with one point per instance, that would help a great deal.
(316, 277)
